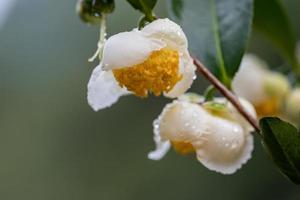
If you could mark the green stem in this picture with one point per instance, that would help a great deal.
(102, 35)
(101, 41)
(209, 93)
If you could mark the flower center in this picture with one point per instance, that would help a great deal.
(268, 107)
(183, 147)
(159, 73)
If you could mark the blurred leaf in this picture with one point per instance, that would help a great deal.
(282, 142)
(145, 6)
(176, 8)
(271, 20)
(217, 30)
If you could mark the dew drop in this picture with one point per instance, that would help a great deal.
(187, 124)
(234, 145)
(105, 65)
(236, 129)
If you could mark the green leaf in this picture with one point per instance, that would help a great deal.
(271, 20)
(218, 31)
(282, 142)
(145, 6)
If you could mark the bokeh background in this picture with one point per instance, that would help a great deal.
(54, 147)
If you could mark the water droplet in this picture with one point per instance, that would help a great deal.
(236, 129)
(105, 66)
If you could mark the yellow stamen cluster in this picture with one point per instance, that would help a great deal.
(159, 73)
(183, 147)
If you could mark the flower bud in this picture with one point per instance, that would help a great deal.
(265, 89)
(276, 85)
(292, 107)
(91, 11)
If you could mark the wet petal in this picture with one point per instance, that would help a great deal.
(167, 31)
(103, 90)
(188, 76)
(225, 148)
(183, 121)
(236, 114)
(250, 109)
(227, 164)
(127, 49)
(161, 147)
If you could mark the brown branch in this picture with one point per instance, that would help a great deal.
(227, 93)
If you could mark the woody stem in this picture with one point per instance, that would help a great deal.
(226, 93)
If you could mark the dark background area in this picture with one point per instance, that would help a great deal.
(54, 147)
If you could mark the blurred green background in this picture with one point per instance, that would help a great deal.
(54, 147)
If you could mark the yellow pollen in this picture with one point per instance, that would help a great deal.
(159, 73)
(183, 147)
(268, 108)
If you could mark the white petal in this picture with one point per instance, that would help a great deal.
(127, 49)
(162, 147)
(226, 148)
(191, 97)
(251, 73)
(168, 31)
(172, 34)
(237, 116)
(179, 121)
(103, 90)
(187, 69)
(250, 109)
(183, 121)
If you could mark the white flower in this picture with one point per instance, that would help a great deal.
(263, 88)
(152, 60)
(219, 136)
(5, 9)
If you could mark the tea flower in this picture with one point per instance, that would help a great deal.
(215, 131)
(152, 60)
(265, 89)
